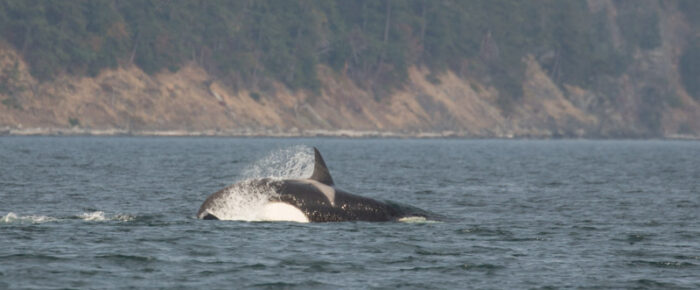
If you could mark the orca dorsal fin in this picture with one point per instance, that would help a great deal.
(321, 173)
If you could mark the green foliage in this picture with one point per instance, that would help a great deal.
(432, 78)
(372, 41)
(691, 9)
(690, 69)
(12, 103)
(74, 122)
(9, 81)
(649, 113)
(639, 26)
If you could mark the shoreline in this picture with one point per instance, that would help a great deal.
(297, 133)
(41, 131)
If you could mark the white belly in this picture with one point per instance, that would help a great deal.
(279, 211)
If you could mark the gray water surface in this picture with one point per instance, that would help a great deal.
(118, 212)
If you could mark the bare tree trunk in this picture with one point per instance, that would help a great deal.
(133, 53)
(194, 53)
(27, 36)
(290, 74)
(387, 23)
(133, 50)
(364, 17)
(557, 67)
(256, 54)
(424, 24)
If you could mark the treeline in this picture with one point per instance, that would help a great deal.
(247, 42)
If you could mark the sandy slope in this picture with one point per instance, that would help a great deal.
(190, 101)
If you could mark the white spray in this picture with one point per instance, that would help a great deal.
(95, 216)
(287, 163)
(246, 200)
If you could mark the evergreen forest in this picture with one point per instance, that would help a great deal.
(374, 42)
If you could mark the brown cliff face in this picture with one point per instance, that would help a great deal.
(189, 100)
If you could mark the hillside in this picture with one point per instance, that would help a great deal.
(595, 69)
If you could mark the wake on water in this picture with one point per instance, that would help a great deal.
(95, 216)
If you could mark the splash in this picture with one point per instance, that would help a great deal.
(93, 216)
(245, 200)
(124, 217)
(88, 216)
(14, 218)
(99, 216)
(416, 220)
(293, 162)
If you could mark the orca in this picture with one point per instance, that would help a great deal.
(314, 199)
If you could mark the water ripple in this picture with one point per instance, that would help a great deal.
(119, 212)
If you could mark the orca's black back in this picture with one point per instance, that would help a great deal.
(347, 207)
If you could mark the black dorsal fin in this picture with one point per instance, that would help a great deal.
(321, 173)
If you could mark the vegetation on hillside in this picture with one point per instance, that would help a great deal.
(249, 42)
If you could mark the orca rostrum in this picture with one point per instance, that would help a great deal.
(315, 199)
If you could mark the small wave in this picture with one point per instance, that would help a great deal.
(482, 231)
(637, 237)
(14, 218)
(648, 283)
(664, 264)
(289, 285)
(30, 257)
(126, 258)
(435, 252)
(682, 257)
(482, 267)
(489, 268)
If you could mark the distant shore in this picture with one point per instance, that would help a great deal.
(7, 131)
(228, 133)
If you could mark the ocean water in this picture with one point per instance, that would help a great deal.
(118, 212)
